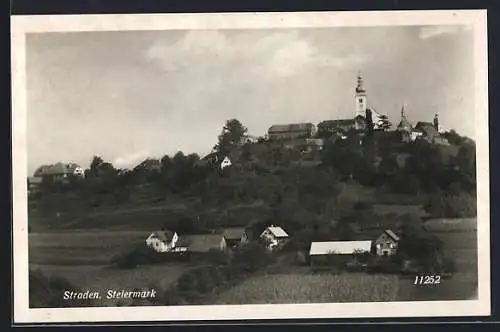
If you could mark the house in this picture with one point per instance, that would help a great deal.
(235, 237)
(225, 163)
(162, 241)
(59, 172)
(291, 131)
(149, 164)
(337, 252)
(201, 243)
(274, 236)
(386, 243)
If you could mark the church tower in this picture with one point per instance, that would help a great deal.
(361, 103)
(436, 122)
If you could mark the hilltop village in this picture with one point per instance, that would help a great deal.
(352, 195)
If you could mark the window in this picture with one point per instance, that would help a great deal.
(361, 100)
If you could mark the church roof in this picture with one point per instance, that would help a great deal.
(293, 127)
(404, 124)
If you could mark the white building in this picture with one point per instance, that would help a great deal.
(274, 236)
(162, 241)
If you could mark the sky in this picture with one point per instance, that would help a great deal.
(126, 96)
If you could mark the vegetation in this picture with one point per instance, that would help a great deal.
(263, 187)
(304, 288)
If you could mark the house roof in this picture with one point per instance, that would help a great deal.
(233, 233)
(293, 127)
(391, 234)
(200, 242)
(404, 124)
(384, 209)
(335, 123)
(164, 236)
(57, 169)
(339, 247)
(277, 231)
(427, 128)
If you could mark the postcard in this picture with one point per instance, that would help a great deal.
(250, 166)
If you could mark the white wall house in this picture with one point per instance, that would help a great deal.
(162, 241)
(225, 163)
(274, 236)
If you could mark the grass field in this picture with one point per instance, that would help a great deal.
(460, 244)
(83, 258)
(308, 288)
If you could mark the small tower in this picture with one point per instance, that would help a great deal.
(360, 101)
(436, 122)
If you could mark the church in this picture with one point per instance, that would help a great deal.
(363, 114)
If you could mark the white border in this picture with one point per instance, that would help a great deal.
(21, 25)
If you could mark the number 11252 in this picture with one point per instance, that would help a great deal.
(427, 280)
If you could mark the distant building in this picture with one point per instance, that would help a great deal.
(235, 237)
(225, 163)
(291, 131)
(358, 123)
(387, 243)
(59, 171)
(162, 241)
(427, 131)
(201, 243)
(274, 236)
(149, 164)
(337, 251)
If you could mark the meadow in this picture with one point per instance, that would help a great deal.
(312, 288)
(83, 258)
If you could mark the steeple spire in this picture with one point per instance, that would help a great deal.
(360, 88)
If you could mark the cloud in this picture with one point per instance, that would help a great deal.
(435, 31)
(281, 54)
(130, 160)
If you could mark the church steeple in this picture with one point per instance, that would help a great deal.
(360, 97)
(436, 122)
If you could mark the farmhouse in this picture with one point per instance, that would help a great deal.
(235, 237)
(274, 236)
(201, 243)
(337, 252)
(162, 241)
(386, 244)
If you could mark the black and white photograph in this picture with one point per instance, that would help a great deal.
(250, 166)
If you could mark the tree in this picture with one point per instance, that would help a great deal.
(232, 134)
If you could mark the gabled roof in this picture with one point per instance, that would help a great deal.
(404, 124)
(200, 242)
(277, 231)
(164, 236)
(391, 235)
(233, 233)
(339, 247)
(291, 127)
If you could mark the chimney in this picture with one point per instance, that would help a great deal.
(436, 122)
